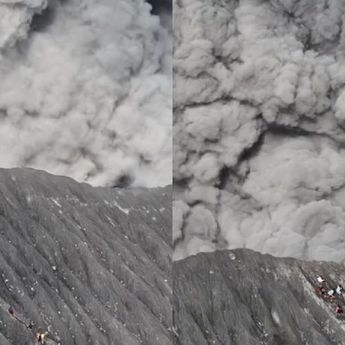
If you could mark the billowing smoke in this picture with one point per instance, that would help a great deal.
(86, 90)
(161, 6)
(259, 156)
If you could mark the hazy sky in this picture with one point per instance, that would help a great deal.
(86, 90)
(259, 126)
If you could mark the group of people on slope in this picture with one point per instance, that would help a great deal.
(39, 335)
(331, 294)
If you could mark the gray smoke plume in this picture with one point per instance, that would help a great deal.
(259, 127)
(86, 90)
(161, 6)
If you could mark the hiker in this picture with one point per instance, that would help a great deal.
(330, 292)
(339, 309)
(330, 295)
(11, 311)
(40, 337)
(321, 290)
(339, 290)
(30, 325)
(320, 279)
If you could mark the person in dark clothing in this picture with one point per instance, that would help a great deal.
(31, 325)
(11, 311)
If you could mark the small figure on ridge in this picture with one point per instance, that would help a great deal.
(339, 309)
(320, 279)
(339, 290)
(40, 336)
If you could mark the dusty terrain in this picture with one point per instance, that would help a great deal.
(90, 265)
(243, 297)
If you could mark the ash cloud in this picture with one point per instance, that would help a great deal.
(161, 6)
(259, 127)
(86, 90)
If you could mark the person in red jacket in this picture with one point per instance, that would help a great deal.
(339, 309)
(321, 290)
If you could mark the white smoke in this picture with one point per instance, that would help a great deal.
(85, 90)
(259, 138)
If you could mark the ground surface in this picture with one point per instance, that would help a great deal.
(90, 265)
(243, 297)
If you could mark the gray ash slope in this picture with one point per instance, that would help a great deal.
(91, 265)
(243, 297)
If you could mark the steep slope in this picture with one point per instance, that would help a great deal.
(90, 265)
(243, 297)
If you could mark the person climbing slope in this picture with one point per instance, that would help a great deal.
(321, 290)
(339, 290)
(339, 309)
(11, 311)
(29, 325)
(320, 279)
(40, 336)
(331, 292)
